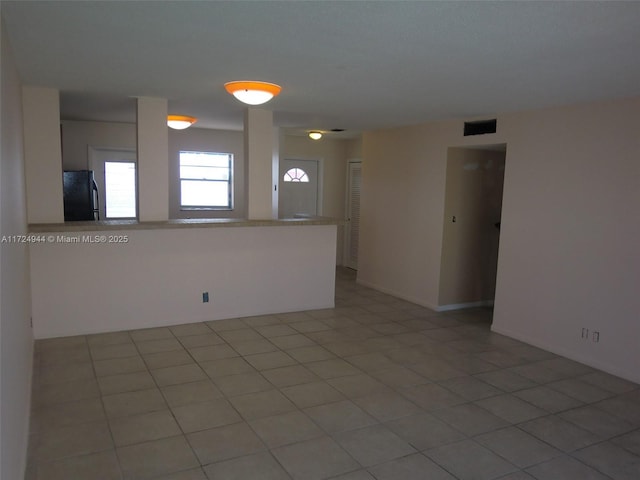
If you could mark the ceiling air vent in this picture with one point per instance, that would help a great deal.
(481, 127)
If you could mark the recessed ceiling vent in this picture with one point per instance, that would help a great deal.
(480, 127)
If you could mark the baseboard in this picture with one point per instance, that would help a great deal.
(632, 376)
(399, 295)
(170, 322)
(462, 306)
(422, 303)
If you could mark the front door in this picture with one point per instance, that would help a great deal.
(298, 187)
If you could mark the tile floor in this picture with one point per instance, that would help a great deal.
(376, 388)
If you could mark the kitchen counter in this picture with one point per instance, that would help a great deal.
(120, 225)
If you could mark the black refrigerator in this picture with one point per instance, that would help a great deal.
(80, 196)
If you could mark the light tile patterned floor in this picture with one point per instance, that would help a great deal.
(375, 388)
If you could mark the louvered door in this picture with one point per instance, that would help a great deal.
(353, 214)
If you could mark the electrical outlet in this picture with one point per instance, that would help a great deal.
(205, 297)
(585, 332)
(596, 337)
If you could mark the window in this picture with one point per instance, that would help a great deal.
(296, 175)
(120, 189)
(206, 180)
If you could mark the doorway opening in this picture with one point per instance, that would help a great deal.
(115, 174)
(471, 230)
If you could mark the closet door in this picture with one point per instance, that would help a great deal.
(353, 214)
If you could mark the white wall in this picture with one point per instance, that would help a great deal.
(153, 159)
(206, 140)
(42, 154)
(259, 139)
(78, 136)
(158, 277)
(570, 228)
(570, 233)
(16, 338)
(354, 148)
(401, 210)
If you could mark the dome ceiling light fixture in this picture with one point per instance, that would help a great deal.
(252, 92)
(315, 135)
(180, 122)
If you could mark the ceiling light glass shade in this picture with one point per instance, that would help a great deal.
(315, 135)
(253, 93)
(180, 122)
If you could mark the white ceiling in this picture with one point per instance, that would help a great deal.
(353, 65)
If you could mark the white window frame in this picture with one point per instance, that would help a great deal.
(295, 175)
(229, 182)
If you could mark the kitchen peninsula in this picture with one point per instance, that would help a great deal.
(93, 277)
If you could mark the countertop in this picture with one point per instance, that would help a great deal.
(112, 225)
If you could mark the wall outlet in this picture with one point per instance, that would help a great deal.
(205, 297)
(585, 333)
(596, 337)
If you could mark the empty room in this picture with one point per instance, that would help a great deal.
(317, 240)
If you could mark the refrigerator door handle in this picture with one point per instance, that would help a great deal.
(96, 210)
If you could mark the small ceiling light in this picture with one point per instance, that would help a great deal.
(251, 92)
(315, 135)
(180, 122)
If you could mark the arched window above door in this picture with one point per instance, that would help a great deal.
(296, 175)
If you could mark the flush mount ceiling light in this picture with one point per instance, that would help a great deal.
(180, 122)
(252, 92)
(315, 135)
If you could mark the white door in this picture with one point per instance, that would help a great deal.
(114, 171)
(298, 188)
(353, 214)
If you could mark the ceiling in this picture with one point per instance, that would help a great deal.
(350, 65)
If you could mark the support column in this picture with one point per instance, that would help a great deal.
(259, 155)
(42, 154)
(153, 160)
(275, 170)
